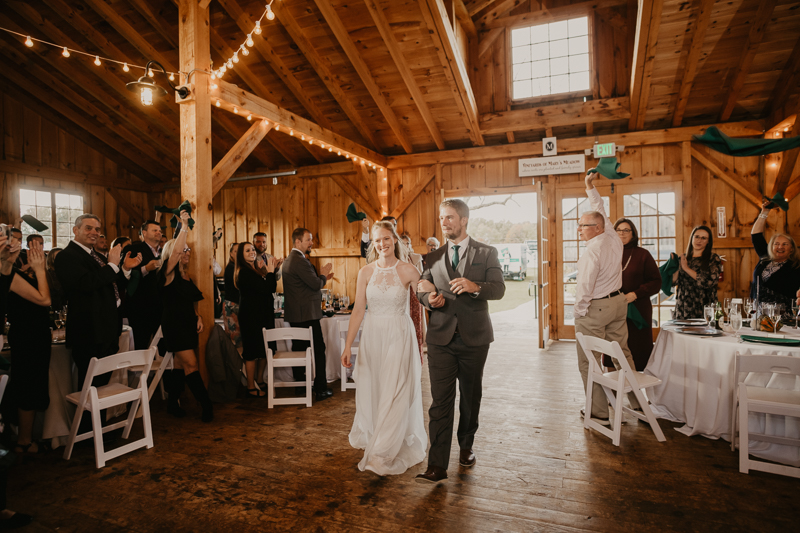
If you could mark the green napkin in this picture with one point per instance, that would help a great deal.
(778, 201)
(667, 270)
(609, 168)
(716, 140)
(185, 206)
(353, 215)
(636, 317)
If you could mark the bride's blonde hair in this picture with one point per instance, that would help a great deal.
(400, 250)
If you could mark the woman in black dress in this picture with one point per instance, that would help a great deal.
(256, 282)
(230, 307)
(29, 336)
(181, 325)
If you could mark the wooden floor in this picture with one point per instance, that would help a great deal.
(292, 469)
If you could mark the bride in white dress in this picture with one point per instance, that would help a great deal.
(389, 425)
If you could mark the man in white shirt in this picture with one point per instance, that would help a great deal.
(600, 306)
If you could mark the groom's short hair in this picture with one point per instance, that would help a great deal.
(460, 206)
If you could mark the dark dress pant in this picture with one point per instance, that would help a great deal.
(82, 356)
(447, 364)
(144, 326)
(321, 380)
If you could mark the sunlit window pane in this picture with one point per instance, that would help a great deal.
(579, 26)
(520, 36)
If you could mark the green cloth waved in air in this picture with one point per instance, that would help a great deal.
(716, 140)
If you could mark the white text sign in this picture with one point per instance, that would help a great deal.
(560, 164)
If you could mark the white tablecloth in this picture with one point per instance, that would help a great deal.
(63, 380)
(697, 388)
(333, 349)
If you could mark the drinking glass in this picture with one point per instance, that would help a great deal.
(736, 323)
(777, 313)
(727, 305)
(748, 306)
(346, 302)
(795, 312)
(709, 312)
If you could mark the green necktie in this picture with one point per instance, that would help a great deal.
(455, 256)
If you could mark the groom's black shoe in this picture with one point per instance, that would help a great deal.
(466, 458)
(323, 394)
(433, 474)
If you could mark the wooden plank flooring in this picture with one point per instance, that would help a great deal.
(292, 469)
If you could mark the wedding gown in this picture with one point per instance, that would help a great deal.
(389, 425)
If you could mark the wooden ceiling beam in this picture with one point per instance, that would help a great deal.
(485, 44)
(576, 144)
(464, 18)
(389, 38)
(44, 108)
(793, 189)
(72, 176)
(788, 162)
(223, 170)
(234, 128)
(455, 71)
(554, 14)
(701, 23)
(356, 196)
(134, 214)
(556, 115)
(495, 11)
(727, 175)
(246, 25)
(343, 38)
(788, 82)
(742, 68)
(364, 179)
(412, 195)
(648, 21)
(476, 6)
(231, 95)
(328, 77)
(157, 21)
(162, 156)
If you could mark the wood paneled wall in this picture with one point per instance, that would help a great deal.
(33, 140)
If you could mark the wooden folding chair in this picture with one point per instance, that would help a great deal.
(289, 359)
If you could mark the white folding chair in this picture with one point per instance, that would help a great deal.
(160, 364)
(289, 359)
(769, 402)
(622, 382)
(95, 399)
(344, 325)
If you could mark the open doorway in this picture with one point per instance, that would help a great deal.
(509, 223)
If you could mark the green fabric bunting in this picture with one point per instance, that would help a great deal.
(353, 215)
(778, 201)
(609, 168)
(716, 140)
(636, 317)
(667, 270)
(185, 206)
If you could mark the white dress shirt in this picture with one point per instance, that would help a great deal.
(600, 264)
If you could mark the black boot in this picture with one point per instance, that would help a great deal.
(174, 383)
(198, 388)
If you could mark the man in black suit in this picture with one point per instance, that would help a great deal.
(92, 289)
(302, 286)
(144, 298)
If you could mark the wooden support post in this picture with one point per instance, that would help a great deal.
(416, 191)
(196, 158)
(727, 175)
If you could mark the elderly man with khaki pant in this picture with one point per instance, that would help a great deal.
(600, 306)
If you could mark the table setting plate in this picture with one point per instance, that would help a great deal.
(687, 322)
(770, 340)
(700, 331)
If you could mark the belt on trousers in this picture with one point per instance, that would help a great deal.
(611, 295)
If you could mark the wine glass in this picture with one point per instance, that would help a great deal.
(795, 312)
(748, 306)
(736, 323)
(727, 305)
(709, 313)
(777, 313)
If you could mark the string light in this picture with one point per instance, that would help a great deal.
(235, 110)
(249, 40)
(302, 137)
(65, 53)
(97, 61)
(213, 86)
(218, 104)
(249, 117)
(270, 14)
(124, 66)
(291, 132)
(150, 72)
(245, 51)
(277, 127)
(330, 149)
(311, 141)
(338, 152)
(171, 76)
(257, 29)
(28, 42)
(236, 56)
(229, 64)
(213, 75)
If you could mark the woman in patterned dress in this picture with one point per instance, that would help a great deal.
(698, 275)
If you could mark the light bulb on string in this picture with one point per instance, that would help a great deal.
(171, 76)
(218, 104)
(277, 127)
(235, 110)
(229, 64)
(291, 133)
(249, 117)
(330, 149)
(245, 51)
(270, 14)
(150, 72)
(222, 70)
(97, 62)
(257, 29)
(311, 141)
(124, 66)
(28, 41)
(213, 86)
(213, 75)
(302, 137)
(249, 41)
(236, 56)
(338, 152)
(65, 53)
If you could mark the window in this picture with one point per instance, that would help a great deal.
(57, 211)
(550, 58)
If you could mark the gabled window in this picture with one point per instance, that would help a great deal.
(550, 59)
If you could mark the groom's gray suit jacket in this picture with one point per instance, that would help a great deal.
(469, 314)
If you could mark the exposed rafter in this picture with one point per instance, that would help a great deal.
(549, 15)
(786, 172)
(343, 37)
(495, 11)
(555, 115)
(727, 175)
(765, 8)
(648, 21)
(235, 157)
(693, 58)
(402, 65)
(328, 77)
(455, 71)
(787, 83)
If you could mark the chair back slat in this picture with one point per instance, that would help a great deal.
(611, 349)
(287, 334)
(772, 364)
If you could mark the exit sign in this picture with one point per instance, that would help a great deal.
(605, 150)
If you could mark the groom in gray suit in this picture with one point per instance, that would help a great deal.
(465, 274)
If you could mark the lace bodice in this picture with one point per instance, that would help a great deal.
(386, 294)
